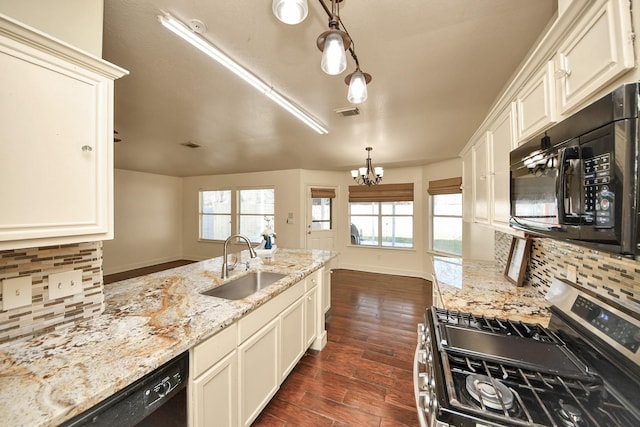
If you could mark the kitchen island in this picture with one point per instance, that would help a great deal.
(480, 287)
(147, 321)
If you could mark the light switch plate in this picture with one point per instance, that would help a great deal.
(16, 292)
(64, 284)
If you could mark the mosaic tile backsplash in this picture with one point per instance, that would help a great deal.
(44, 314)
(611, 276)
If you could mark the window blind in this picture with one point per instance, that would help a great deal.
(381, 193)
(445, 186)
(323, 193)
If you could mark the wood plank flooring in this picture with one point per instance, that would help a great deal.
(364, 374)
(116, 277)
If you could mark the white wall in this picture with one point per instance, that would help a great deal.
(287, 192)
(148, 221)
(76, 22)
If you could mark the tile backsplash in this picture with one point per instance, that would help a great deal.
(44, 314)
(611, 276)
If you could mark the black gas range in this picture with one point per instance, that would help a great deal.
(581, 371)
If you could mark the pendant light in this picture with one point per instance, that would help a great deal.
(357, 82)
(333, 44)
(290, 12)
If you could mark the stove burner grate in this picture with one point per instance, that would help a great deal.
(489, 392)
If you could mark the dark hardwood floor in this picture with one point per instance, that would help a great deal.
(364, 374)
(116, 277)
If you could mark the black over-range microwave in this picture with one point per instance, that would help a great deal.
(579, 179)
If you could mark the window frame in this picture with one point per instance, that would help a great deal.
(235, 210)
(238, 214)
(433, 216)
(380, 216)
(202, 214)
(323, 221)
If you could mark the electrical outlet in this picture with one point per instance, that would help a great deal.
(16, 292)
(572, 273)
(64, 284)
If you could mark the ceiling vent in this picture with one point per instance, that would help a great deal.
(190, 144)
(348, 111)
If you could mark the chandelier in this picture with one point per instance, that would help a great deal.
(333, 43)
(368, 175)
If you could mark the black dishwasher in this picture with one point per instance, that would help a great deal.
(158, 398)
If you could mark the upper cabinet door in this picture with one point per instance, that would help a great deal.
(594, 53)
(56, 154)
(535, 103)
(500, 138)
(481, 181)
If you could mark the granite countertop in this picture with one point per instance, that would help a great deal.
(480, 287)
(147, 321)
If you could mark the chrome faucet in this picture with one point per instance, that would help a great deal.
(225, 266)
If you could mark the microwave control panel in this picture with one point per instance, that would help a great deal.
(598, 191)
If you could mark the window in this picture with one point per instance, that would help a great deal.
(382, 215)
(321, 208)
(256, 212)
(446, 215)
(215, 214)
(219, 217)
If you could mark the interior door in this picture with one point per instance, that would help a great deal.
(320, 217)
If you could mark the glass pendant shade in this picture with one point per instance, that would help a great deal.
(354, 173)
(290, 11)
(334, 58)
(357, 93)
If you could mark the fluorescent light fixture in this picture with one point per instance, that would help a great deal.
(206, 47)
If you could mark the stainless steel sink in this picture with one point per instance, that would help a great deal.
(246, 285)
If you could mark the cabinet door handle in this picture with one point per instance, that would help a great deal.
(87, 148)
(563, 70)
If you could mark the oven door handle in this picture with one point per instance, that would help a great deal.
(422, 417)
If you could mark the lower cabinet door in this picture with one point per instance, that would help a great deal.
(259, 373)
(291, 337)
(215, 403)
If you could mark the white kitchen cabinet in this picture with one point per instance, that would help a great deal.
(481, 180)
(500, 143)
(536, 103)
(467, 186)
(214, 380)
(292, 336)
(215, 394)
(258, 371)
(596, 51)
(56, 156)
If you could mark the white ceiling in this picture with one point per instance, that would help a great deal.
(437, 67)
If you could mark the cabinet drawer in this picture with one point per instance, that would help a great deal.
(312, 280)
(208, 352)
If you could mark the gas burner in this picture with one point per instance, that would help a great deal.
(491, 392)
(570, 415)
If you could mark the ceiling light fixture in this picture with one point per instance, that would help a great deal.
(213, 52)
(290, 11)
(368, 175)
(333, 43)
